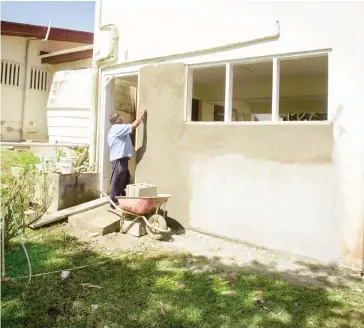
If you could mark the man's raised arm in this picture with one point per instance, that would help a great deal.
(139, 120)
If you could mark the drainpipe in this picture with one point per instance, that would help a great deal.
(25, 89)
(111, 54)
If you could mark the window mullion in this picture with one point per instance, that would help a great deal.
(275, 90)
(228, 92)
(189, 89)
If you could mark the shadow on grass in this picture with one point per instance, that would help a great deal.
(135, 288)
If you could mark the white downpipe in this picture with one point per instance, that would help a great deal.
(48, 30)
(111, 54)
(25, 90)
(26, 74)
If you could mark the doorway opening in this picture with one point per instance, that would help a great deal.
(121, 97)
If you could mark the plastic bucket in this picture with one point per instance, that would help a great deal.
(66, 165)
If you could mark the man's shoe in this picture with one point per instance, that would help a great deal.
(112, 206)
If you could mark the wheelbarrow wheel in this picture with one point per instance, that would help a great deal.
(157, 221)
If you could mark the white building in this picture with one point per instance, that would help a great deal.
(217, 78)
(28, 62)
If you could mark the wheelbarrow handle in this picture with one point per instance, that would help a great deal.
(108, 198)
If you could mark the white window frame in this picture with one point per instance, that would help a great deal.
(229, 72)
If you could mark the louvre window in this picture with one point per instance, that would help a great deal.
(10, 73)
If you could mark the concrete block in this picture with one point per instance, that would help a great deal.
(136, 229)
(96, 220)
(141, 190)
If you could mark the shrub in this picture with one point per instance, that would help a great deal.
(30, 195)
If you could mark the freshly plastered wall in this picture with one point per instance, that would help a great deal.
(304, 27)
(268, 185)
(13, 49)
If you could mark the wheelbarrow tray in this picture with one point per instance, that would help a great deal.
(141, 205)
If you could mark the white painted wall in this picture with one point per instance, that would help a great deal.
(78, 64)
(176, 27)
(13, 49)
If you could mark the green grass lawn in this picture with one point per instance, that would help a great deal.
(135, 286)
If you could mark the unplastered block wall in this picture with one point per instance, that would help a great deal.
(268, 185)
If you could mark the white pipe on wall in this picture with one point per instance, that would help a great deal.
(25, 89)
(48, 30)
(97, 61)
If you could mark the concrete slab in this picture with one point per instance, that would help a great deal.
(96, 220)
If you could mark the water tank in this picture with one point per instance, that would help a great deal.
(68, 107)
(69, 104)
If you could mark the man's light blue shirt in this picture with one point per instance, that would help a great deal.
(119, 141)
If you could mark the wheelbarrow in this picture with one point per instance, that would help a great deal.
(145, 208)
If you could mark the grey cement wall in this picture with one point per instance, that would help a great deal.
(73, 189)
(271, 185)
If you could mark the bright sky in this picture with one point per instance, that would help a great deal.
(73, 15)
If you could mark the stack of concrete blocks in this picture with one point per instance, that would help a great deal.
(137, 229)
(141, 190)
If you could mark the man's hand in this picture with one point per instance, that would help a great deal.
(142, 113)
(137, 122)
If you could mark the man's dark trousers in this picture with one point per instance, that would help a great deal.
(120, 178)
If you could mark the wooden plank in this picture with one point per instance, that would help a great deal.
(63, 214)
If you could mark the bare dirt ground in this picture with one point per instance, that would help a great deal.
(222, 252)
